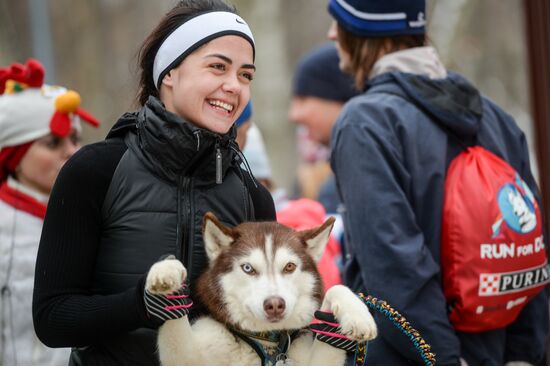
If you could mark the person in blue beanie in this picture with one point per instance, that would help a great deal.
(319, 90)
(391, 147)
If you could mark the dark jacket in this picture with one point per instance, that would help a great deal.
(151, 183)
(391, 147)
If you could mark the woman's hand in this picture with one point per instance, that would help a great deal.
(166, 296)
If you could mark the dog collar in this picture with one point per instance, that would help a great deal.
(276, 356)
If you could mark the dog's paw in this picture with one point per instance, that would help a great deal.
(356, 321)
(165, 277)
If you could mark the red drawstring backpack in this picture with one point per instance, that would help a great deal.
(493, 255)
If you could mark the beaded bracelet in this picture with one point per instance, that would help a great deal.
(400, 323)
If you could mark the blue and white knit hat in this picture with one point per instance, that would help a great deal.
(245, 115)
(380, 18)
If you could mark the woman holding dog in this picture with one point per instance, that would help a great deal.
(121, 204)
(405, 125)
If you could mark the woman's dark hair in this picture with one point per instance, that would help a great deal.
(179, 14)
(365, 51)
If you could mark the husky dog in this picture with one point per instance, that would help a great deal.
(261, 281)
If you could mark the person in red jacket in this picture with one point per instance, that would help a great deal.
(303, 214)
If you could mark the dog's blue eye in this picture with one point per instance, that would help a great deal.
(248, 269)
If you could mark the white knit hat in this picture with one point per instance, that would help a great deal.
(30, 109)
(255, 153)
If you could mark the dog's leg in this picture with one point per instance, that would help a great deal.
(323, 354)
(176, 344)
(304, 351)
(356, 322)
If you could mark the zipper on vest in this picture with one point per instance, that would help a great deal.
(197, 135)
(219, 170)
(188, 227)
(179, 227)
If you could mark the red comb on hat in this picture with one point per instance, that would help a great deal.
(66, 104)
(31, 74)
(30, 109)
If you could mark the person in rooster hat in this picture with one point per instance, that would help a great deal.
(39, 131)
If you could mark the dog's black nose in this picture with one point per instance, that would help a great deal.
(274, 307)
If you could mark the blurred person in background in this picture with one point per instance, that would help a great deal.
(390, 152)
(120, 205)
(39, 130)
(319, 91)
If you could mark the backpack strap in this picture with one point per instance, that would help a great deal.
(452, 152)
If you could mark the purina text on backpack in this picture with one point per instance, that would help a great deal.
(493, 254)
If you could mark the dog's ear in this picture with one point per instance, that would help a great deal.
(316, 239)
(216, 236)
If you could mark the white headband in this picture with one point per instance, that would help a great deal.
(194, 33)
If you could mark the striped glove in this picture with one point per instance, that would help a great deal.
(168, 307)
(327, 330)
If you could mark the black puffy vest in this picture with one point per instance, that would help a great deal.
(162, 187)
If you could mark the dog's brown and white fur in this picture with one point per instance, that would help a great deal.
(261, 277)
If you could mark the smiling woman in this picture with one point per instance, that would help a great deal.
(121, 204)
(212, 85)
